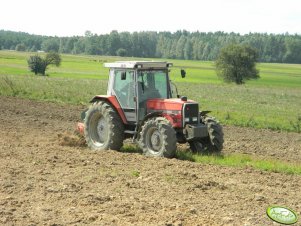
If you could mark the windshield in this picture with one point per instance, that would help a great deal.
(152, 84)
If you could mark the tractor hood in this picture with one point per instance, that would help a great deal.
(174, 104)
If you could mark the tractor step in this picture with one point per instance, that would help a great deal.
(130, 131)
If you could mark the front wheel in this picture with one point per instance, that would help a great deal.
(158, 138)
(215, 140)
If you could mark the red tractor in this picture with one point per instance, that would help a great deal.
(142, 104)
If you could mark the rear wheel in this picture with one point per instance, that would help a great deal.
(103, 127)
(215, 140)
(158, 138)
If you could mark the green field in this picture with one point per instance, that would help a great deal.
(273, 101)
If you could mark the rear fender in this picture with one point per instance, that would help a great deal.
(112, 100)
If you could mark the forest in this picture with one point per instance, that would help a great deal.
(205, 46)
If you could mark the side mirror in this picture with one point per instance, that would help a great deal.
(183, 73)
(123, 75)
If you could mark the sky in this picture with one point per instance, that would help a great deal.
(74, 17)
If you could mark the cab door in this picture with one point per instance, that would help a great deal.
(124, 90)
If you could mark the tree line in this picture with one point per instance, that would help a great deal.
(278, 48)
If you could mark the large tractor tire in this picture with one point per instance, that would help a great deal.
(103, 127)
(215, 140)
(158, 138)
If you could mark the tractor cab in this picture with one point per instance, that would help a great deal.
(134, 83)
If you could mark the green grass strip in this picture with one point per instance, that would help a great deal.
(231, 160)
(242, 160)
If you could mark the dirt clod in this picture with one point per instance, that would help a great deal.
(71, 139)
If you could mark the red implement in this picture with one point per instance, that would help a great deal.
(80, 128)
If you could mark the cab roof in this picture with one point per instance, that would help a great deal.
(138, 64)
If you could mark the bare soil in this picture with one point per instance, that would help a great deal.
(46, 181)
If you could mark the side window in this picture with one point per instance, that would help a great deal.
(124, 89)
(120, 84)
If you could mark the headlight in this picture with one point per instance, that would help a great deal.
(194, 119)
(186, 119)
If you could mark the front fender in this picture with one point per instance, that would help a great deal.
(204, 113)
(151, 115)
(148, 116)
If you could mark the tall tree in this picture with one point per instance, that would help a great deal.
(51, 45)
(188, 50)
(293, 53)
(114, 42)
(180, 47)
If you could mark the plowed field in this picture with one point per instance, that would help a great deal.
(43, 182)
